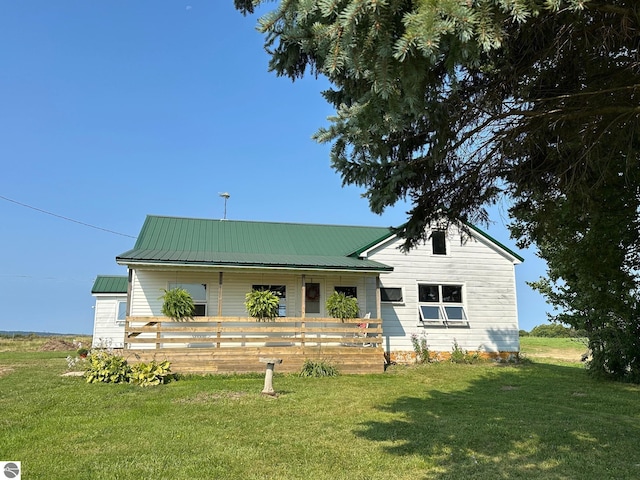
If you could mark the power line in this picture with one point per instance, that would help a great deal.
(65, 218)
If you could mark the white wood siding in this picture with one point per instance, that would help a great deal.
(489, 294)
(107, 331)
(148, 286)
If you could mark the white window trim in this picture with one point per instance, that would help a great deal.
(394, 302)
(444, 318)
(118, 303)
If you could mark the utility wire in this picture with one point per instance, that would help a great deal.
(64, 218)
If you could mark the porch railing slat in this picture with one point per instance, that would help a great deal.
(203, 343)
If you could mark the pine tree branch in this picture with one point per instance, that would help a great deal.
(609, 8)
(568, 96)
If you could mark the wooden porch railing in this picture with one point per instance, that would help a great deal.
(234, 344)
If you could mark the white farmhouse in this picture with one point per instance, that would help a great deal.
(459, 286)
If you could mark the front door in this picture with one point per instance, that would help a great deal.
(313, 299)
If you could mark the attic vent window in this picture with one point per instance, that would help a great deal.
(439, 242)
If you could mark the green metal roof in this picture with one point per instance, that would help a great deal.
(233, 243)
(191, 241)
(110, 284)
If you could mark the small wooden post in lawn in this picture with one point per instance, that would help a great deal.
(268, 376)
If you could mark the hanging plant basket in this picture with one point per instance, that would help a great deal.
(342, 307)
(178, 304)
(262, 305)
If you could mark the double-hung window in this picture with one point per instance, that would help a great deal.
(279, 291)
(198, 292)
(441, 305)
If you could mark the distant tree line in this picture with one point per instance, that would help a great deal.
(554, 330)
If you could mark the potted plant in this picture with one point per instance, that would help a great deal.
(342, 307)
(82, 352)
(262, 304)
(178, 304)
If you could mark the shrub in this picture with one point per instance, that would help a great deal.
(107, 368)
(523, 333)
(318, 368)
(152, 373)
(177, 304)
(262, 304)
(460, 355)
(342, 307)
(419, 343)
(551, 331)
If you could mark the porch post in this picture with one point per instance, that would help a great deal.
(129, 279)
(219, 325)
(128, 312)
(378, 310)
(303, 305)
(220, 295)
(303, 310)
(378, 300)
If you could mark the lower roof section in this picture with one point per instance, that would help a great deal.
(288, 262)
(110, 284)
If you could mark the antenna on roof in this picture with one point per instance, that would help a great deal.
(226, 196)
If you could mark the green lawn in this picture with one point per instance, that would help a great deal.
(568, 349)
(533, 421)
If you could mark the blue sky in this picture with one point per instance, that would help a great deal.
(112, 110)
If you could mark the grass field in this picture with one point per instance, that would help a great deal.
(565, 349)
(544, 419)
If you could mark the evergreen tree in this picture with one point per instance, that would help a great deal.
(451, 103)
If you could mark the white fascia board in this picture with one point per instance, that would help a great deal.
(495, 247)
(366, 253)
(477, 236)
(243, 267)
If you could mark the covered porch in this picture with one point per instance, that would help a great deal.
(218, 262)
